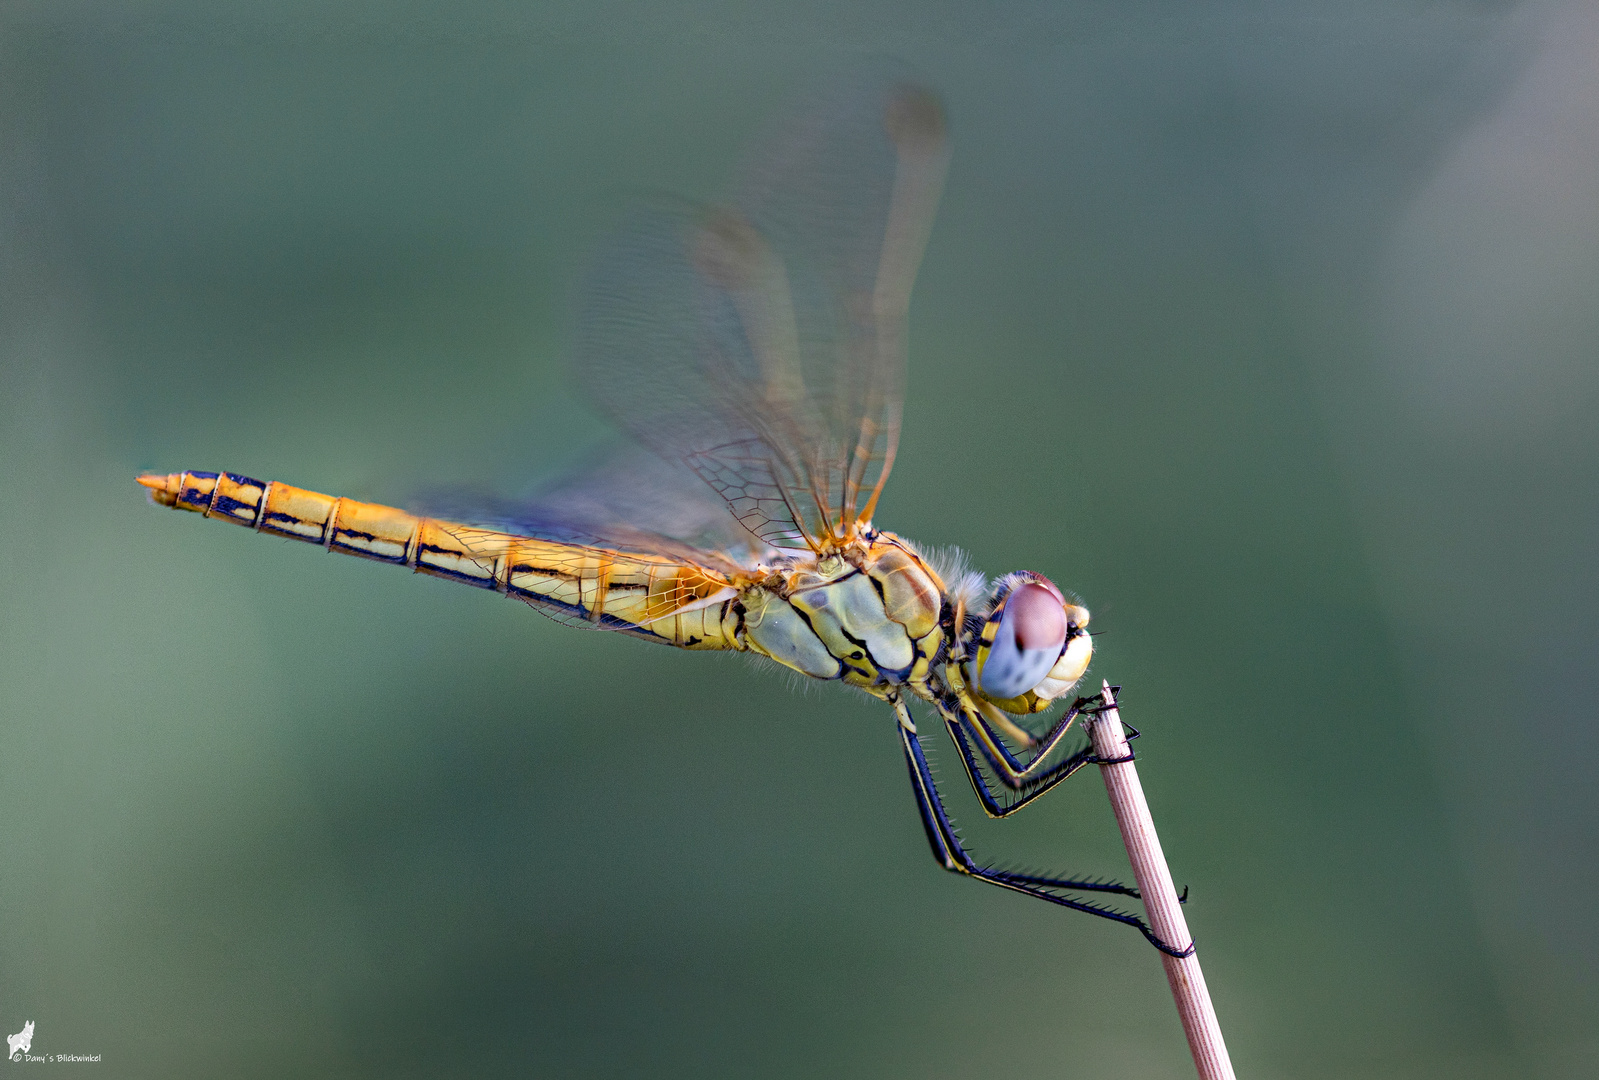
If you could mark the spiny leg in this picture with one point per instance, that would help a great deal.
(952, 856)
(1038, 785)
(1014, 774)
(1031, 790)
(1029, 780)
(948, 852)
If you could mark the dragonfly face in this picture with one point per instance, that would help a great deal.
(755, 353)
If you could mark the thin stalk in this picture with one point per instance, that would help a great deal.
(1160, 896)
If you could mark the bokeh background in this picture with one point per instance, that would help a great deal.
(1279, 327)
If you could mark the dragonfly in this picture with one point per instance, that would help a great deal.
(753, 355)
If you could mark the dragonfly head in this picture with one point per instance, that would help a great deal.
(1034, 645)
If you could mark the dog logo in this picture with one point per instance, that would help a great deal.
(21, 1042)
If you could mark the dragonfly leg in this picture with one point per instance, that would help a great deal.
(1030, 776)
(1031, 788)
(949, 853)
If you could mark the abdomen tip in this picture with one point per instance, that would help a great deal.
(163, 489)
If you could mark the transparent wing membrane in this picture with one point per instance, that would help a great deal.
(625, 499)
(661, 597)
(761, 344)
(756, 353)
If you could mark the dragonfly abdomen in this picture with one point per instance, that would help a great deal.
(647, 596)
(338, 524)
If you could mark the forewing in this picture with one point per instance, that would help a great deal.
(762, 344)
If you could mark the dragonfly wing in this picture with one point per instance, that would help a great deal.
(762, 344)
(628, 513)
(626, 499)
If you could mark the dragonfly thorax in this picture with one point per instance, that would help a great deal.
(872, 615)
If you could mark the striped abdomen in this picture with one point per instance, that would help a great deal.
(649, 596)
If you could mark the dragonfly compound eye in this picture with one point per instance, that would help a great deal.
(1029, 639)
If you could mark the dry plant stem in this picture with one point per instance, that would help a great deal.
(1160, 897)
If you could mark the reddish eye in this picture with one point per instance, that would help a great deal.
(1031, 634)
(1039, 619)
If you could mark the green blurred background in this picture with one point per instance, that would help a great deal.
(1284, 323)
